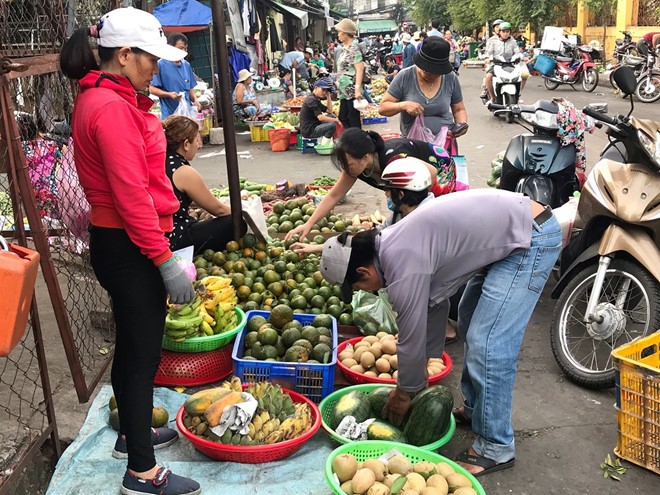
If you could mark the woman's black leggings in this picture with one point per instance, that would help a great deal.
(138, 299)
(209, 234)
(349, 116)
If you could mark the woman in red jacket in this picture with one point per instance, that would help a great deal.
(119, 153)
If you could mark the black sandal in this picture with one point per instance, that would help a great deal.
(489, 465)
(460, 417)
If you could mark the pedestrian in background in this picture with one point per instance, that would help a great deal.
(408, 50)
(350, 71)
(119, 155)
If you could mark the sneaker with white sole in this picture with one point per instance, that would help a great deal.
(160, 438)
(164, 483)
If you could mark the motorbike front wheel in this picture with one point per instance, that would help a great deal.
(551, 85)
(589, 80)
(507, 100)
(630, 307)
(648, 89)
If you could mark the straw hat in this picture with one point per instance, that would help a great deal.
(244, 75)
(406, 38)
(346, 26)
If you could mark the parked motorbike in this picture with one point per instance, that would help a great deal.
(507, 80)
(609, 291)
(637, 64)
(648, 82)
(624, 47)
(536, 164)
(574, 69)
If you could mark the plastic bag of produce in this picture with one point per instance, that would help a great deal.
(373, 313)
(186, 109)
(420, 132)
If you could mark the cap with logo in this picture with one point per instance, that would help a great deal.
(136, 28)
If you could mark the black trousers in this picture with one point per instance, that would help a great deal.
(349, 116)
(138, 304)
(209, 234)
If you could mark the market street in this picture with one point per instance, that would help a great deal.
(563, 432)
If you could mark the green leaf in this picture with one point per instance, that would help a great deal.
(605, 474)
(615, 477)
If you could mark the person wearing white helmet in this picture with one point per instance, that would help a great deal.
(119, 154)
(504, 246)
(487, 48)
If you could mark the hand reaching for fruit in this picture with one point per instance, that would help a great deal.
(304, 248)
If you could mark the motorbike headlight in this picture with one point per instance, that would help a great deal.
(651, 147)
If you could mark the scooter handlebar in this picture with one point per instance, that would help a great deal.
(600, 116)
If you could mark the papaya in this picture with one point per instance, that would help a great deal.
(215, 410)
(199, 402)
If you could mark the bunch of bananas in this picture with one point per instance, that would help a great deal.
(293, 426)
(211, 311)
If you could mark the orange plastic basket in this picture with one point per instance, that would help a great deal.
(18, 274)
(253, 454)
(637, 367)
(358, 378)
(279, 139)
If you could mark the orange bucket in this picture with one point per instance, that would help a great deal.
(18, 274)
(279, 139)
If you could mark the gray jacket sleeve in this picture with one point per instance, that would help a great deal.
(410, 298)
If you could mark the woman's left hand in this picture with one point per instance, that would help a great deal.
(358, 93)
(397, 406)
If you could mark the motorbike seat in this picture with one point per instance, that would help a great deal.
(564, 59)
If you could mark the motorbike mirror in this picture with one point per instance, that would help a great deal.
(624, 77)
(598, 107)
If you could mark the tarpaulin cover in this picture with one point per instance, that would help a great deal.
(183, 13)
(87, 465)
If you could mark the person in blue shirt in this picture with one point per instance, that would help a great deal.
(174, 78)
(408, 51)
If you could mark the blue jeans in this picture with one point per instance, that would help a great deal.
(326, 129)
(492, 317)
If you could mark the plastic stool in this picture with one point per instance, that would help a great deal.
(308, 145)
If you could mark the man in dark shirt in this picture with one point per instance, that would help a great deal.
(314, 121)
(392, 68)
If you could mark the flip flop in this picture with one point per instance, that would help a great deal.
(489, 465)
(451, 340)
(461, 418)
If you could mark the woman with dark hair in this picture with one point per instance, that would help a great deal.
(363, 155)
(183, 142)
(350, 71)
(119, 154)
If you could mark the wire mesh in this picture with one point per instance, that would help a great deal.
(649, 13)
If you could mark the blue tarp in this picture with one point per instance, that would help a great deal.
(87, 466)
(176, 13)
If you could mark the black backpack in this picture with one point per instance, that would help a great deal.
(366, 78)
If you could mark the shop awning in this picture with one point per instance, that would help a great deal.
(183, 15)
(369, 26)
(285, 9)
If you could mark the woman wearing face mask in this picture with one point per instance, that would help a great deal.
(183, 142)
(119, 155)
(364, 155)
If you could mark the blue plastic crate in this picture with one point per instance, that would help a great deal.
(308, 145)
(374, 120)
(545, 65)
(314, 381)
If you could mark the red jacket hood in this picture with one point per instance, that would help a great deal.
(117, 83)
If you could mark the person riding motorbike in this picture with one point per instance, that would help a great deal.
(650, 41)
(505, 46)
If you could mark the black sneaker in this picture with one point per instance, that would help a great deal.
(160, 438)
(164, 483)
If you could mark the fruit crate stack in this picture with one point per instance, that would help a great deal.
(198, 335)
(296, 350)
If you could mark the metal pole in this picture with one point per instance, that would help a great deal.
(213, 83)
(229, 130)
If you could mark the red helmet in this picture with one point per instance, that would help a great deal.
(407, 173)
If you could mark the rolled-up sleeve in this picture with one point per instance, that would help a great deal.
(409, 297)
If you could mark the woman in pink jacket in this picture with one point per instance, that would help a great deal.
(119, 152)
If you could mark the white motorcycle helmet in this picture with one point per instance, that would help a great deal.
(407, 173)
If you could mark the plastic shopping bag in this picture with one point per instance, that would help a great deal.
(372, 313)
(184, 108)
(420, 132)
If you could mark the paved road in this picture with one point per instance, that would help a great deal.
(563, 432)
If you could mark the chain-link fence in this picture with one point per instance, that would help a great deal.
(649, 13)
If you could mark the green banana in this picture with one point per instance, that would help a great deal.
(206, 328)
(181, 324)
(175, 334)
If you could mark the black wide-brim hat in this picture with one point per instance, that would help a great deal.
(433, 56)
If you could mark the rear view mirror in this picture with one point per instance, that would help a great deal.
(624, 77)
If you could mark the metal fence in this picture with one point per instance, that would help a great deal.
(648, 13)
(42, 205)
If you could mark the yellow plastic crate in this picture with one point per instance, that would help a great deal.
(638, 401)
(258, 134)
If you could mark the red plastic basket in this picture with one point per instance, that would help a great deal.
(358, 378)
(253, 454)
(179, 369)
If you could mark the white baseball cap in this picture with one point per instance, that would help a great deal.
(334, 265)
(309, 50)
(137, 29)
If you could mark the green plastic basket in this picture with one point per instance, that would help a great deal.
(209, 343)
(372, 449)
(327, 407)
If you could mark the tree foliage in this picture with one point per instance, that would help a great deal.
(425, 11)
